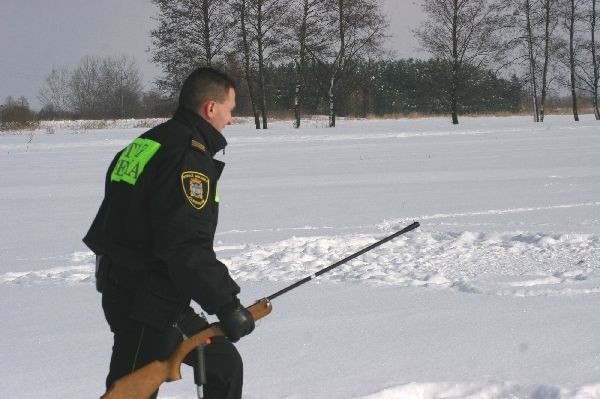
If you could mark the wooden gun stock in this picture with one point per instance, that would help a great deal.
(142, 383)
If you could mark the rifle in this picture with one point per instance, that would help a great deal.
(142, 383)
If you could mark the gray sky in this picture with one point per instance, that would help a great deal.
(37, 35)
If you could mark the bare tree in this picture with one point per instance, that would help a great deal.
(261, 30)
(306, 33)
(549, 8)
(532, 60)
(531, 41)
(84, 87)
(240, 8)
(300, 62)
(107, 87)
(191, 33)
(266, 17)
(120, 90)
(587, 63)
(595, 60)
(360, 28)
(571, 17)
(460, 32)
(129, 87)
(54, 94)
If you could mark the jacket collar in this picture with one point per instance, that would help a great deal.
(214, 140)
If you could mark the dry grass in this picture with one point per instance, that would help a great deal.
(82, 126)
(19, 127)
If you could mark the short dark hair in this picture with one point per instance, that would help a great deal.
(205, 84)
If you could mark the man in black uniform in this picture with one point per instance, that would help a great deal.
(153, 237)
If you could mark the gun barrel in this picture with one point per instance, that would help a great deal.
(298, 283)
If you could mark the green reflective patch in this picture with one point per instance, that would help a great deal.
(217, 196)
(133, 160)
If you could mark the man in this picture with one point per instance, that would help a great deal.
(153, 237)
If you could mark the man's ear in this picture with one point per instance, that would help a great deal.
(207, 110)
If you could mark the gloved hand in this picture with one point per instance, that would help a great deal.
(236, 320)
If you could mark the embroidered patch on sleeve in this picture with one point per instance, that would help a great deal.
(196, 188)
(133, 160)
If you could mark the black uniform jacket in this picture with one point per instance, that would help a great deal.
(158, 219)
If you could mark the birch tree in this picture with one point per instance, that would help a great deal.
(460, 32)
(261, 26)
(587, 64)
(306, 32)
(360, 28)
(549, 8)
(531, 37)
(571, 16)
(266, 17)
(595, 59)
(523, 22)
(240, 8)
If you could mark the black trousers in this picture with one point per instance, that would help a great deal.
(137, 344)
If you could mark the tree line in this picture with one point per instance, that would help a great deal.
(549, 43)
(326, 42)
(305, 57)
(380, 88)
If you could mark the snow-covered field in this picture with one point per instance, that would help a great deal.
(496, 296)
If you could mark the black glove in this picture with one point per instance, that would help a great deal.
(236, 320)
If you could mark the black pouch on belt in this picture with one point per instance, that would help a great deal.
(102, 270)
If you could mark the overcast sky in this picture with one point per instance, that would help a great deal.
(37, 35)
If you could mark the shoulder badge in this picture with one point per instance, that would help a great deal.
(198, 145)
(196, 188)
(133, 160)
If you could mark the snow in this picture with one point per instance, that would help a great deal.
(494, 296)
